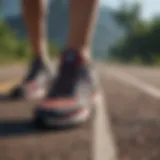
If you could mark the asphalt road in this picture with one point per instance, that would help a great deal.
(125, 127)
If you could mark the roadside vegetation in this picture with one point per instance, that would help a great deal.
(13, 49)
(141, 43)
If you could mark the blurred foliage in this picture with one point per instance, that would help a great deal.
(141, 43)
(13, 49)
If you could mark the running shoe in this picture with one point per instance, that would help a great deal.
(35, 83)
(71, 95)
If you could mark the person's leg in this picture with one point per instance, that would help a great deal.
(34, 12)
(73, 89)
(83, 15)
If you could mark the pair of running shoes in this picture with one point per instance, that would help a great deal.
(65, 100)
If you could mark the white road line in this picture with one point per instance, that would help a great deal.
(103, 144)
(7, 85)
(145, 87)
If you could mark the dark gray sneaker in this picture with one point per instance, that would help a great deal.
(70, 96)
(34, 85)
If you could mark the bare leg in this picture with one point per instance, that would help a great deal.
(82, 19)
(34, 14)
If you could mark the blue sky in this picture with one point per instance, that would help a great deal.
(149, 7)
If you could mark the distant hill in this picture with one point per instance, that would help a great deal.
(107, 30)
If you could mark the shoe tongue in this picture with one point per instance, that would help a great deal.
(71, 56)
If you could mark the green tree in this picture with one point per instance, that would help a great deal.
(141, 42)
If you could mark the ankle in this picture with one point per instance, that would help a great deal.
(83, 53)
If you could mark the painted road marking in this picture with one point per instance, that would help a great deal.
(103, 144)
(6, 86)
(103, 141)
(143, 86)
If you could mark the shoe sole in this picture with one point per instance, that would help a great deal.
(74, 120)
(82, 116)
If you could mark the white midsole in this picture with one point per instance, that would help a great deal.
(78, 118)
(35, 94)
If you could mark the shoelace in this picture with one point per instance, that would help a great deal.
(66, 80)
